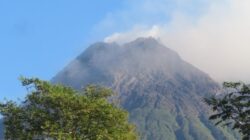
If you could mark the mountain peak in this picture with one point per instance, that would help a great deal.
(143, 55)
(144, 41)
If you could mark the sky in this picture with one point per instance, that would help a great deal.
(38, 38)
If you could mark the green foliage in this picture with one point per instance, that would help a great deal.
(233, 108)
(59, 112)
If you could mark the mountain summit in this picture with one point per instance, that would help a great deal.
(162, 92)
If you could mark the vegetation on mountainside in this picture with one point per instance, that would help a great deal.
(59, 112)
(233, 107)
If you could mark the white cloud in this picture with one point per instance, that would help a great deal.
(217, 42)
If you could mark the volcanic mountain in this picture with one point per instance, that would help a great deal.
(162, 92)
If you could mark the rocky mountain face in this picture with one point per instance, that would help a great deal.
(162, 92)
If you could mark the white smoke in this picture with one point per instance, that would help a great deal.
(135, 33)
(217, 42)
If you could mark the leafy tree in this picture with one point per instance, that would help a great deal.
(59, 112)
(232, 107)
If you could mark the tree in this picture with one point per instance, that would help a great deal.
(232, 107)
(59, 112)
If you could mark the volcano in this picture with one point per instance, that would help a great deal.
(162, 93)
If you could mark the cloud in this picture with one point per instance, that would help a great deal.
(216, 41)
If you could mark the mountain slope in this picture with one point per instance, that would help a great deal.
(162, 92)
(1, 129)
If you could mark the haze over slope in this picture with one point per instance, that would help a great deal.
(162, 92)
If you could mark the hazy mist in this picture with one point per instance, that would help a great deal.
(217, 41)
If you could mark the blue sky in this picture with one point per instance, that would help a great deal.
(39, 37)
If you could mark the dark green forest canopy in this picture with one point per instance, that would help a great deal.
(56, 111)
